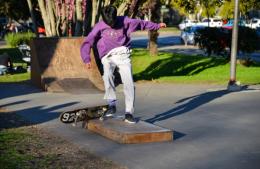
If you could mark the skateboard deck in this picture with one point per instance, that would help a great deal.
(83, 114)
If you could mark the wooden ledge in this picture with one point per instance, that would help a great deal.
(118, 130)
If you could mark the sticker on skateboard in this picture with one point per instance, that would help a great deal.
(83, 114)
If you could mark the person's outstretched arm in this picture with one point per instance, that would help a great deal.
(138, 24)
(87, 44)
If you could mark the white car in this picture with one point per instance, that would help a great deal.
(254, 23)
(211, 22)
(187, 23)
(188, 34)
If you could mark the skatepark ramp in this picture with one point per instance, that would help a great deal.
(56, 66)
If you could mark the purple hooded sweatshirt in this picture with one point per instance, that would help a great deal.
(108, 38)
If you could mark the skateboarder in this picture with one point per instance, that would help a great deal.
(112, 36)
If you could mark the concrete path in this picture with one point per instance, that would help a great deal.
(213, 128)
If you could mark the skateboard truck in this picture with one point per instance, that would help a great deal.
(80, 114)
(83, 114)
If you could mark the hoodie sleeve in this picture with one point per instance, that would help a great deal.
(138, 24)
(88, 43)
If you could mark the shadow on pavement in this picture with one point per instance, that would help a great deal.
(14, 103)
(191, 103)
(17, 89)
(29, 116)
(178, 135)
(40, 114)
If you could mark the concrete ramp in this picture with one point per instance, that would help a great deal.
(57, 66)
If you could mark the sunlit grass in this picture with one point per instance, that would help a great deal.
(177, 68)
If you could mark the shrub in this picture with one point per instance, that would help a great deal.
(217, 40)
(247, 40)
(213, 40)
(15, 39)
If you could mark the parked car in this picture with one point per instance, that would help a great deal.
(187, 23)
(26, 54)
(188, 34)
(211, 22)
(229, 24)
(253, 23)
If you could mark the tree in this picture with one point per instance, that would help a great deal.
(227, 9)
(153, 9)
(185, 7)
(210, 7)
(247, 5)
(47, 11)
(30, 5)
(74, 17)
(14, 10)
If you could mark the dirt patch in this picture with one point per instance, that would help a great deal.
(28, 146)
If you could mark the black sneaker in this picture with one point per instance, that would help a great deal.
(129, 118)
(110, 111)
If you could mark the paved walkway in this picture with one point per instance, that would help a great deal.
(213, 128)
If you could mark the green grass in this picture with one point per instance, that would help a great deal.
(15, 149)
(16, 58)
(13, 78)
(168, 67)
(14, 53)
(27, 146)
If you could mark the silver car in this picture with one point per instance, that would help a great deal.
(188, 34)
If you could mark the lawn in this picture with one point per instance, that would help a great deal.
(23, 145)
(167, 67)
(16, 58)
(179, 68)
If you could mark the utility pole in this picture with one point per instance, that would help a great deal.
(233, 85)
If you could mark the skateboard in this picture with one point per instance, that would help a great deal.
(83, 114)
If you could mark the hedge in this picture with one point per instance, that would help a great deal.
(15, 39)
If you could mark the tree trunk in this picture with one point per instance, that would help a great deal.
(153, 47)
(123, 7)
(87, 18)
(154, 14)
(64, 20)
(99, 8)
(33, 17)
(107, 2)
(79, 18)
(51, 12)
(94, 12)
(46, 21)
(133, 9)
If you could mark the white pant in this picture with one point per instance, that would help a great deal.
(119, 57)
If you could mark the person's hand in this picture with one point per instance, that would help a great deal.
(162, 25)
(88, 65)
